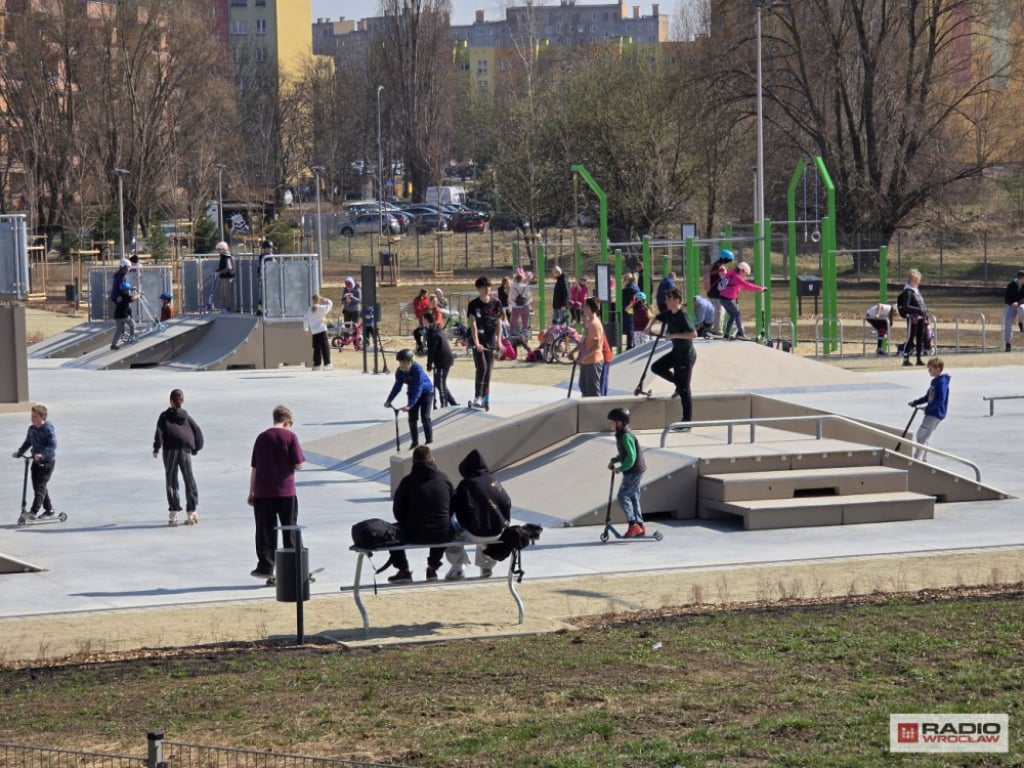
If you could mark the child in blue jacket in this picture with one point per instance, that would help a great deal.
(41, 442)
(421, 395)
(935, 401)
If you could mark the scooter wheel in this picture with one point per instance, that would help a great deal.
(604, 537)
(337, 343)
(21, 521)
(63, 517)
(658, 536)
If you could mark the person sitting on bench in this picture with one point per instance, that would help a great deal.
(422, 508)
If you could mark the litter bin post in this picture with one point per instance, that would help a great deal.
(294, 570)
(807, 285)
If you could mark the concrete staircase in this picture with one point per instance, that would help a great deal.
(801, 496)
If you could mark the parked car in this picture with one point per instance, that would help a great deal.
(469, 221)
(367, 223)
(432, 222)
(505, 221)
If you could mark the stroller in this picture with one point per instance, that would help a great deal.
(345, 334)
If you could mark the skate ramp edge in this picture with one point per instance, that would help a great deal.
(76, 341)
(150, 350)
(231, 341)
(10, 564)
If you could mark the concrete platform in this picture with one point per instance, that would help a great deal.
(116, 552)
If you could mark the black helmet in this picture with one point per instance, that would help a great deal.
(619, 414)
(404, 356)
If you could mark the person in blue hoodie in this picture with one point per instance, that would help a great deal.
(935, 401)
(42, 441)
(421, 395)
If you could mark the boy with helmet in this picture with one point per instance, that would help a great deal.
(421, 395)
(630, 462)
(166, 308)
(123, 313)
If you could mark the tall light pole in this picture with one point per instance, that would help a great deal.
(759, 6)
(220, 199)
(121, 173)
(380, 164)
(318, 169)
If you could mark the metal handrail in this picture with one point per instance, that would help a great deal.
(817, 337)
(956, 329)
(818, 420)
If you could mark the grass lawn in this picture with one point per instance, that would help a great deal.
(808, 685)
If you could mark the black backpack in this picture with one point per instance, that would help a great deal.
(376, 534)
(514, 539)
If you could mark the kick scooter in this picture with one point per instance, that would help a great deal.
(26, 517)
(610, 530)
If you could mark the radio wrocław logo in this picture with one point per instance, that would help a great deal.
(949, 733)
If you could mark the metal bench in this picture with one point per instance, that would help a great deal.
(992, 401)
(363, 553)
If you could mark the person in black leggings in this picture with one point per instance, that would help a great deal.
(485, 313)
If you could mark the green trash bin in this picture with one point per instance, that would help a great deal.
(284, 567)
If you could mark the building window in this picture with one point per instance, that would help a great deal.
(261, 2)
(481, 67)
(261, 26)
(261, 53)
(239, 27)
(481, 84)
(242, 3)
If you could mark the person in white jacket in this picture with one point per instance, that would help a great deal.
(315, 322)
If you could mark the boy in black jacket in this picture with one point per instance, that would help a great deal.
(439, 357)
(422, 509)
(482, 510)
(180, 438)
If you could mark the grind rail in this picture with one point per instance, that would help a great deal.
(818, 420)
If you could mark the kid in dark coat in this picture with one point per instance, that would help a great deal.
(421, 395)
(180, 438)
(422, 508)
(439, 358)
(482, 509)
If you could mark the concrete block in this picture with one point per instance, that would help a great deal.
(14, 353)
(787, 484)
(942, 484)
(285, 343)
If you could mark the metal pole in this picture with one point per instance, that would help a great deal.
(759, 211)
(317, 169)
(121, 173)
(220, 199)
(380, 164)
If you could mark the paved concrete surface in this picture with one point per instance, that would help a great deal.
(116, 552)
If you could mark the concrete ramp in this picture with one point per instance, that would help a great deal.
(735, 366)
(152, 349)
(568, 484)
(74, 342)
(10, 564)
(367, 451)
(231, 341)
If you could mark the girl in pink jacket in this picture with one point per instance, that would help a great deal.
(729, 290)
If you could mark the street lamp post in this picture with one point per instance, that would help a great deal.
(318, 169)
(760, 5)
(121, 173)
(380, 164)
(220, 199)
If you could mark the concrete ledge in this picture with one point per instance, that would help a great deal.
(764, 514)
(786, 484)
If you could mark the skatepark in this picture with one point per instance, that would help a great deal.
(115, 576)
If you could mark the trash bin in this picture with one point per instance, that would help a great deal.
(807, 285)
(385, 257)
(70, 293)
(284, 567)
(612, 333)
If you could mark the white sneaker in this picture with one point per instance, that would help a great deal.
(486, 573)
(316, 367)
(477, 403)
(328, 367)
(172, 518)
(193, 519)
(455, 574)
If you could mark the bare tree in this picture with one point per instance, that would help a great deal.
(891, 94)
(413, 53)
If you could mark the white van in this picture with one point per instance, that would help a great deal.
(445, 196)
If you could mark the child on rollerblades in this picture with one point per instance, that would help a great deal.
(41, 440)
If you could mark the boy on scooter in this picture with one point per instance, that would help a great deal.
(630, 462)
(42, 440)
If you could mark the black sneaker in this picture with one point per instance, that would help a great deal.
(431, 574)
(920, 361)
(906, 362)
(258, 574)
(1008, 346)
(402, 577)
(48, 513)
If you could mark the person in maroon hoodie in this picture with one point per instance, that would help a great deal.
(728, 293)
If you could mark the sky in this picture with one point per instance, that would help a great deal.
(463, 11)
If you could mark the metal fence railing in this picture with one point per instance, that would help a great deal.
(168, 754)
(41, 757)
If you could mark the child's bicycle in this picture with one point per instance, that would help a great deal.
(346, 334)
(561, 342)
